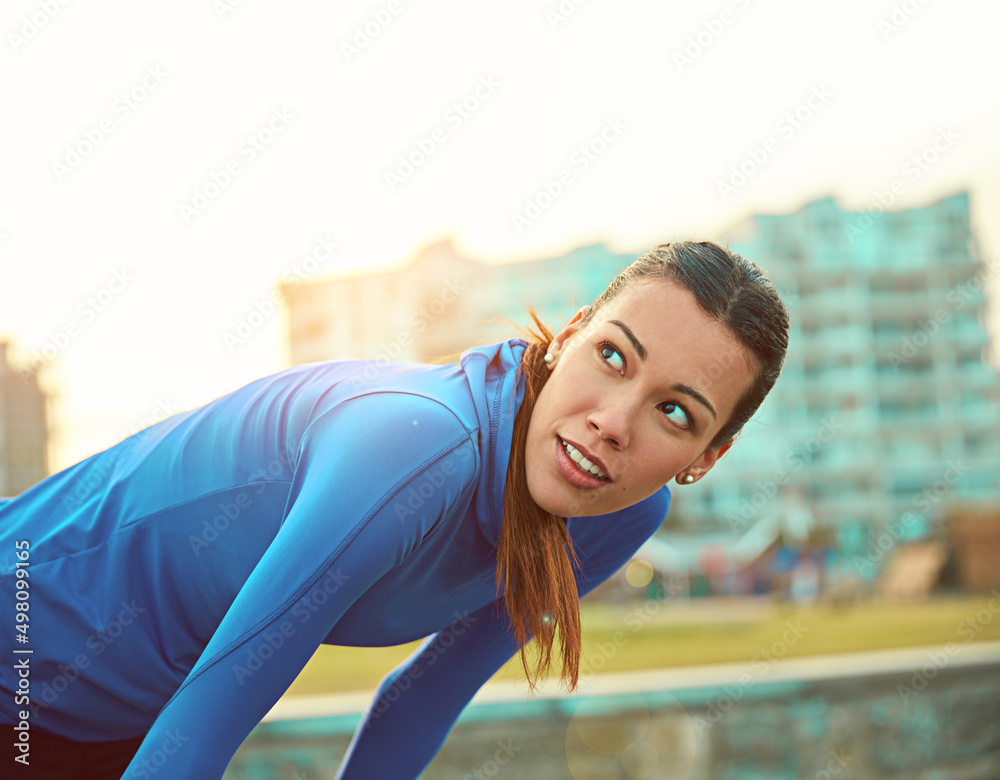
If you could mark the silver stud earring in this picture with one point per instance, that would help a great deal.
(687, 479)
(548, 358)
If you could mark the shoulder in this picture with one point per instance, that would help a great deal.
(438, 394)
(648, 515)
(394, 411)
(605, 543)
(638, 521)
(394, 431)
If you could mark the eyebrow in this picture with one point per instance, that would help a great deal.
(643, 354)
(631, 337)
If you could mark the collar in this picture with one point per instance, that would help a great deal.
(497, 394)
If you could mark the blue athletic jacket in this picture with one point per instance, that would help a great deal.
(180, 580)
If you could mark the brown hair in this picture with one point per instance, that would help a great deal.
(533, 564)
(535, 554)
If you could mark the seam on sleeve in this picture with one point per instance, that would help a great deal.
(372, 393)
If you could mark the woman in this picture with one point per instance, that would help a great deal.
(180, 580)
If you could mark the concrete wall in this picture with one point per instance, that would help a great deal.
(918, 714)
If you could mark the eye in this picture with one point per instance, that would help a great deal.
(608, 351)
(677, 414)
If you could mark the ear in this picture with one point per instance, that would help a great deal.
(562, 339)
(704, 462)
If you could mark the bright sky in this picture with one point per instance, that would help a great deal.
(123, 259)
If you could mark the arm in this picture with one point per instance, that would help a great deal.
(339, 535)
(418, 702)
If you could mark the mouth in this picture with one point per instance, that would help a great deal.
(577, 468)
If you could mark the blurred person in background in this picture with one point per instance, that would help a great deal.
(179, 581)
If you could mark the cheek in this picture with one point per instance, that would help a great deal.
(656, 465)
(549, 408)
(538, 435)
(574, 395)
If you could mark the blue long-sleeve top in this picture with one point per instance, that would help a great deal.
(181, 579)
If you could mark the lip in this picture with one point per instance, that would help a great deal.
(570, 471)
(589, 456)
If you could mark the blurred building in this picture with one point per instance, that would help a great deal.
(23, 429)
(886, 410)
(440, 304)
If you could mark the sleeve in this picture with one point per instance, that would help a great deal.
(339, 535)
(417, 703)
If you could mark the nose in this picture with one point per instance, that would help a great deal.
(612, 420)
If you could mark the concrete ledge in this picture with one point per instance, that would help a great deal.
(788, 670)
(919, 713)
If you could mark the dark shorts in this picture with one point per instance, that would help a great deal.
(58, 758)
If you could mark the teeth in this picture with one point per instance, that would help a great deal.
(585, 465)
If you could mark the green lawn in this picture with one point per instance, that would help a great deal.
(618, 640)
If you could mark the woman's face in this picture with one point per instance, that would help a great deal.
(642, 388)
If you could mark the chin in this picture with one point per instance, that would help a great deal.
(567, 506)
(548, 499)
(554, 495)
(544, 500)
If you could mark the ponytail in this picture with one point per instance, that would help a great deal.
(535, 554)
